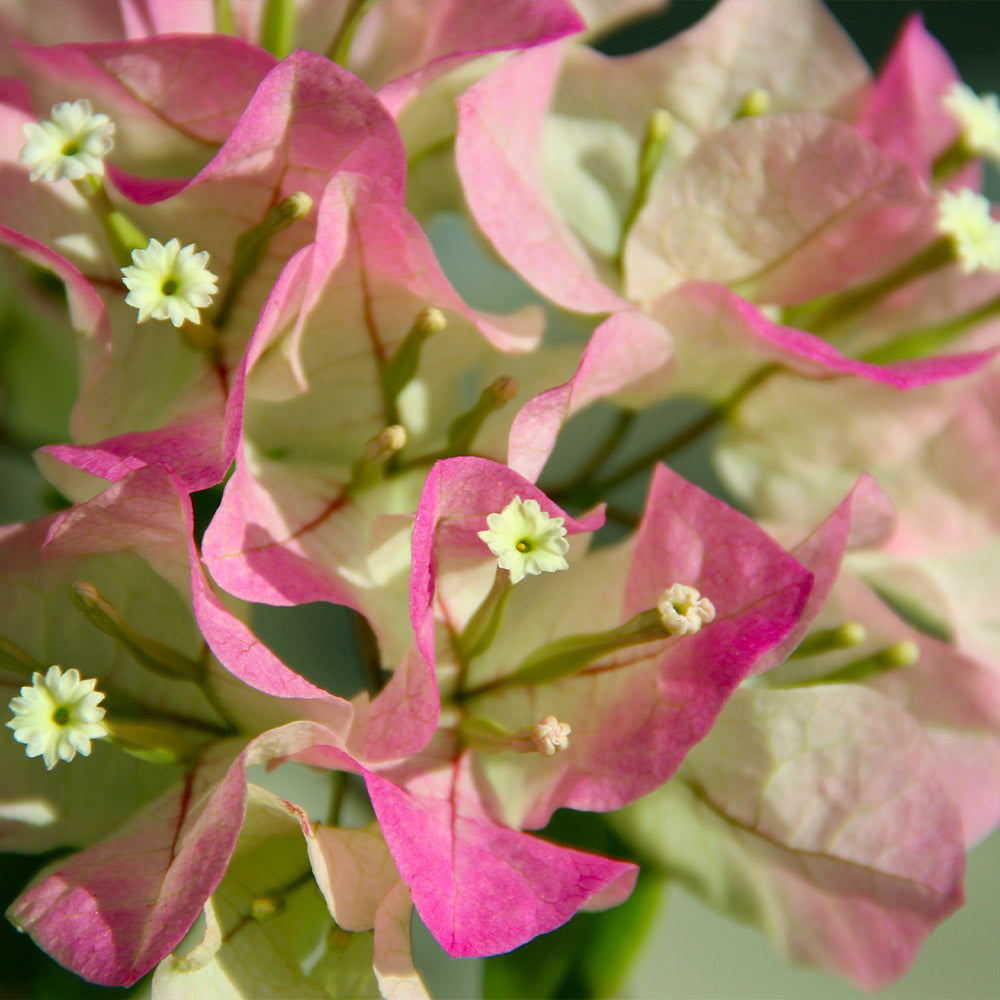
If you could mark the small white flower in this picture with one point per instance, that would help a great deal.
(550, 736)
(57, 716)
(683, 610)
(169, 282)
(72, 143)
(525, 539)
(979, 118)
(965, 217)
(547, 738)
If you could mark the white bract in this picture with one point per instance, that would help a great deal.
(965, 218)
(169, 282)
(72, 143)
(978, 117)
(57, 716)
(525, 539)
(683, 610)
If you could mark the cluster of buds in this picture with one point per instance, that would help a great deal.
(794, 253)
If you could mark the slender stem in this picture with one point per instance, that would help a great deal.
(224, 23)
(481, 628)
(371, 656)
(207, 689)
(600, 455)
(673, 444)
(339, 48)
(842, 308)
(278, 27)
(338, 791)
(929, 339)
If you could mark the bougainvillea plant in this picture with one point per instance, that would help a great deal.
(409, 316)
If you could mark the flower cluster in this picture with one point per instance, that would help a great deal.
(792, 707)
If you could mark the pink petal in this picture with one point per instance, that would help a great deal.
(903, 113)
(721, 338)
(110, 913)
(789, 206)
(865, 517)
(458, 495)
(625, 351)
(481, 888)
(413, 44)
(195, 86)
(498, 151)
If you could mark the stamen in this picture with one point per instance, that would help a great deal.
(683, 610)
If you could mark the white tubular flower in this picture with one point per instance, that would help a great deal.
(57, 716)
(526, 540)
(683, 610)
(977, 116)
(169, 282)
(550, 736)
(965, 218)
(72, 143)
(547, 738)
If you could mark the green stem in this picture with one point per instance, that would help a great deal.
(931, 339)
(482, 627)
(337, 793)
(208, 690)
(651, 151)
(684, 437)
(224, 23)
(339, 48)
(824, 316)
(402, 367)
(894, 657)
(122, 234)
(600, 455)
(956, 156)
(371, 655)
(278, 27)
(251, 246)
(570, 655)
(824, 640)
(17, 661)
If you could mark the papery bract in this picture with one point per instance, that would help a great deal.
(307, 120)
(820, 815)
(657, 700)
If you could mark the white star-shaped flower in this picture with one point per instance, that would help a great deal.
(72, 143)
(169, 282)
(966, 218)
(978, 117)
(57, 716)
(525, 539)
(683, 610)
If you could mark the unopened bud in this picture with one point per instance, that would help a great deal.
(756, 102)
(385, 445)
